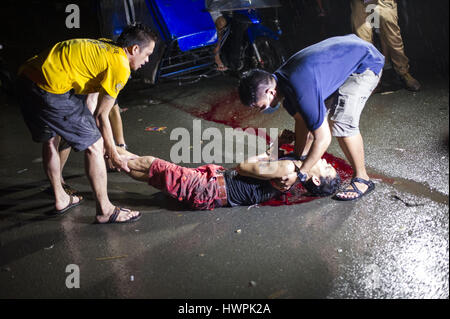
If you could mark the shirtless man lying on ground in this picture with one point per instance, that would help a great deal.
(251, 182)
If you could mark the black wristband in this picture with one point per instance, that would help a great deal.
(124, 146)
(301, 177)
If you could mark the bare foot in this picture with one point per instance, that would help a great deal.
(219, 64)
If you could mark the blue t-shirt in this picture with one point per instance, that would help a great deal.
(311, 75)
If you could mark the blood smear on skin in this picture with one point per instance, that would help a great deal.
(298, 194)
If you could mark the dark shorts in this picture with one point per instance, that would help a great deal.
(47, 115)
(195, 187)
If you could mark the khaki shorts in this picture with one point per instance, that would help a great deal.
(347, 106)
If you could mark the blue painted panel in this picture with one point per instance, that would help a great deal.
(188, 22)
(258, 30)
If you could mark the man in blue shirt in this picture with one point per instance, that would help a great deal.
(342, 71)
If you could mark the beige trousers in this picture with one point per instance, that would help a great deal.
(390, 36)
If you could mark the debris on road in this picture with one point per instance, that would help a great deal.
(155, 128)
(277, 294)
(110, 258)
(407, 204)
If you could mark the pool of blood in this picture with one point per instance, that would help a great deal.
(298, 194)
(230, 112)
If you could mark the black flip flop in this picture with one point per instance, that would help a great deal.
(113, 218)
(370, 185)
(71, 205)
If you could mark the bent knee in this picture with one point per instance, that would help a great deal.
(344, 130)
(96, 148)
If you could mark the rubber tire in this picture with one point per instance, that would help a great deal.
(271, 52)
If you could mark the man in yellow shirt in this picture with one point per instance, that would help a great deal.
(53, 87)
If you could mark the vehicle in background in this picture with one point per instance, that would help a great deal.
(188, 35)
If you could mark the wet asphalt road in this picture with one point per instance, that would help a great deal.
(391, 244)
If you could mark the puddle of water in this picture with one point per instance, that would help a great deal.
(412, 187)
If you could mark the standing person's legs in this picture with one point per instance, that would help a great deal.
(96, 172)
(359, 21)
(33, 104)
(345, 116)
(52, 168)
(220, 23)
(390, 34)
(64, 152)
(353, 148)
(64, 147)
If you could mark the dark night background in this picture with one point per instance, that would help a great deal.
(27, 27)
(391, 245)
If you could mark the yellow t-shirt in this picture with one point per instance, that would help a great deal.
(84, 65)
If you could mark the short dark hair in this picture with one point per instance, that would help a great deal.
(252, 84)
(139, 34)
(328, 186)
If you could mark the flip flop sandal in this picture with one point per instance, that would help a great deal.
(370, 184)
(71, 205)
(113, 218)
(220, 68)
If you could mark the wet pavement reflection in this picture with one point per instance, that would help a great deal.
(391, 244)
